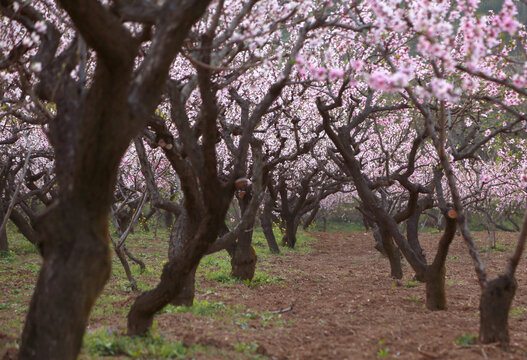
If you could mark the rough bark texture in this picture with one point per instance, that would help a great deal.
(122, 258)
(4, 246)
(378, 241)
(384, 244)
(291, 226)
(311, 217)
(186, 295)
(76, 265)
(435, 289)
(177, 241)
(24, 227)
(266, 222)
(494, 306)
(244, 260)
(434, 275)
(412, 230)
(174, 276)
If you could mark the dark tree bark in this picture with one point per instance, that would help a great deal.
(243, 261)
(378, 241)
(25, 227)
(412, 230)
(497, 296)
(291, 227)
(177, 271)
(4, 246)
(434, 276)
(311, 217)
(77, 254)
(168, 219)
(175, 248)
(266, 221)
(494, 306)
(435, 289)
(390, 251)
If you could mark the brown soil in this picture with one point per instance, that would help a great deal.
(345, 306)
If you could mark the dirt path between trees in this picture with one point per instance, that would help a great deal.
(345, 306)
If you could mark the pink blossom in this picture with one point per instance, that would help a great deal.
(523, 176)
(40, 26)
(300, 60)
(335, 74)
(379, 80)
(318, 73)
(356, 65)
(442, 89)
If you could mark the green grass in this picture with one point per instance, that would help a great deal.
(337, 226)
(411, 283)
(414, 298)
(383, 351)
(516, 313)
(200, 308)
(495, 249)
(109, 342)
(238, 316)
(465, 339)
(19, 269)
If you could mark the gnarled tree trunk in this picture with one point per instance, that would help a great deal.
(4, 246)
(199, 230)
(311, 216)
(76, 266)
(175, 248)
(435, 288)
(266, 221)
(291, 226)
(434, 275)
(243, 260)
(384, 244)
(494, 306)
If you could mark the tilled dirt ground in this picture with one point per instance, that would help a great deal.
(346, 306)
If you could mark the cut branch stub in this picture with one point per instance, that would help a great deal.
(241, 183)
